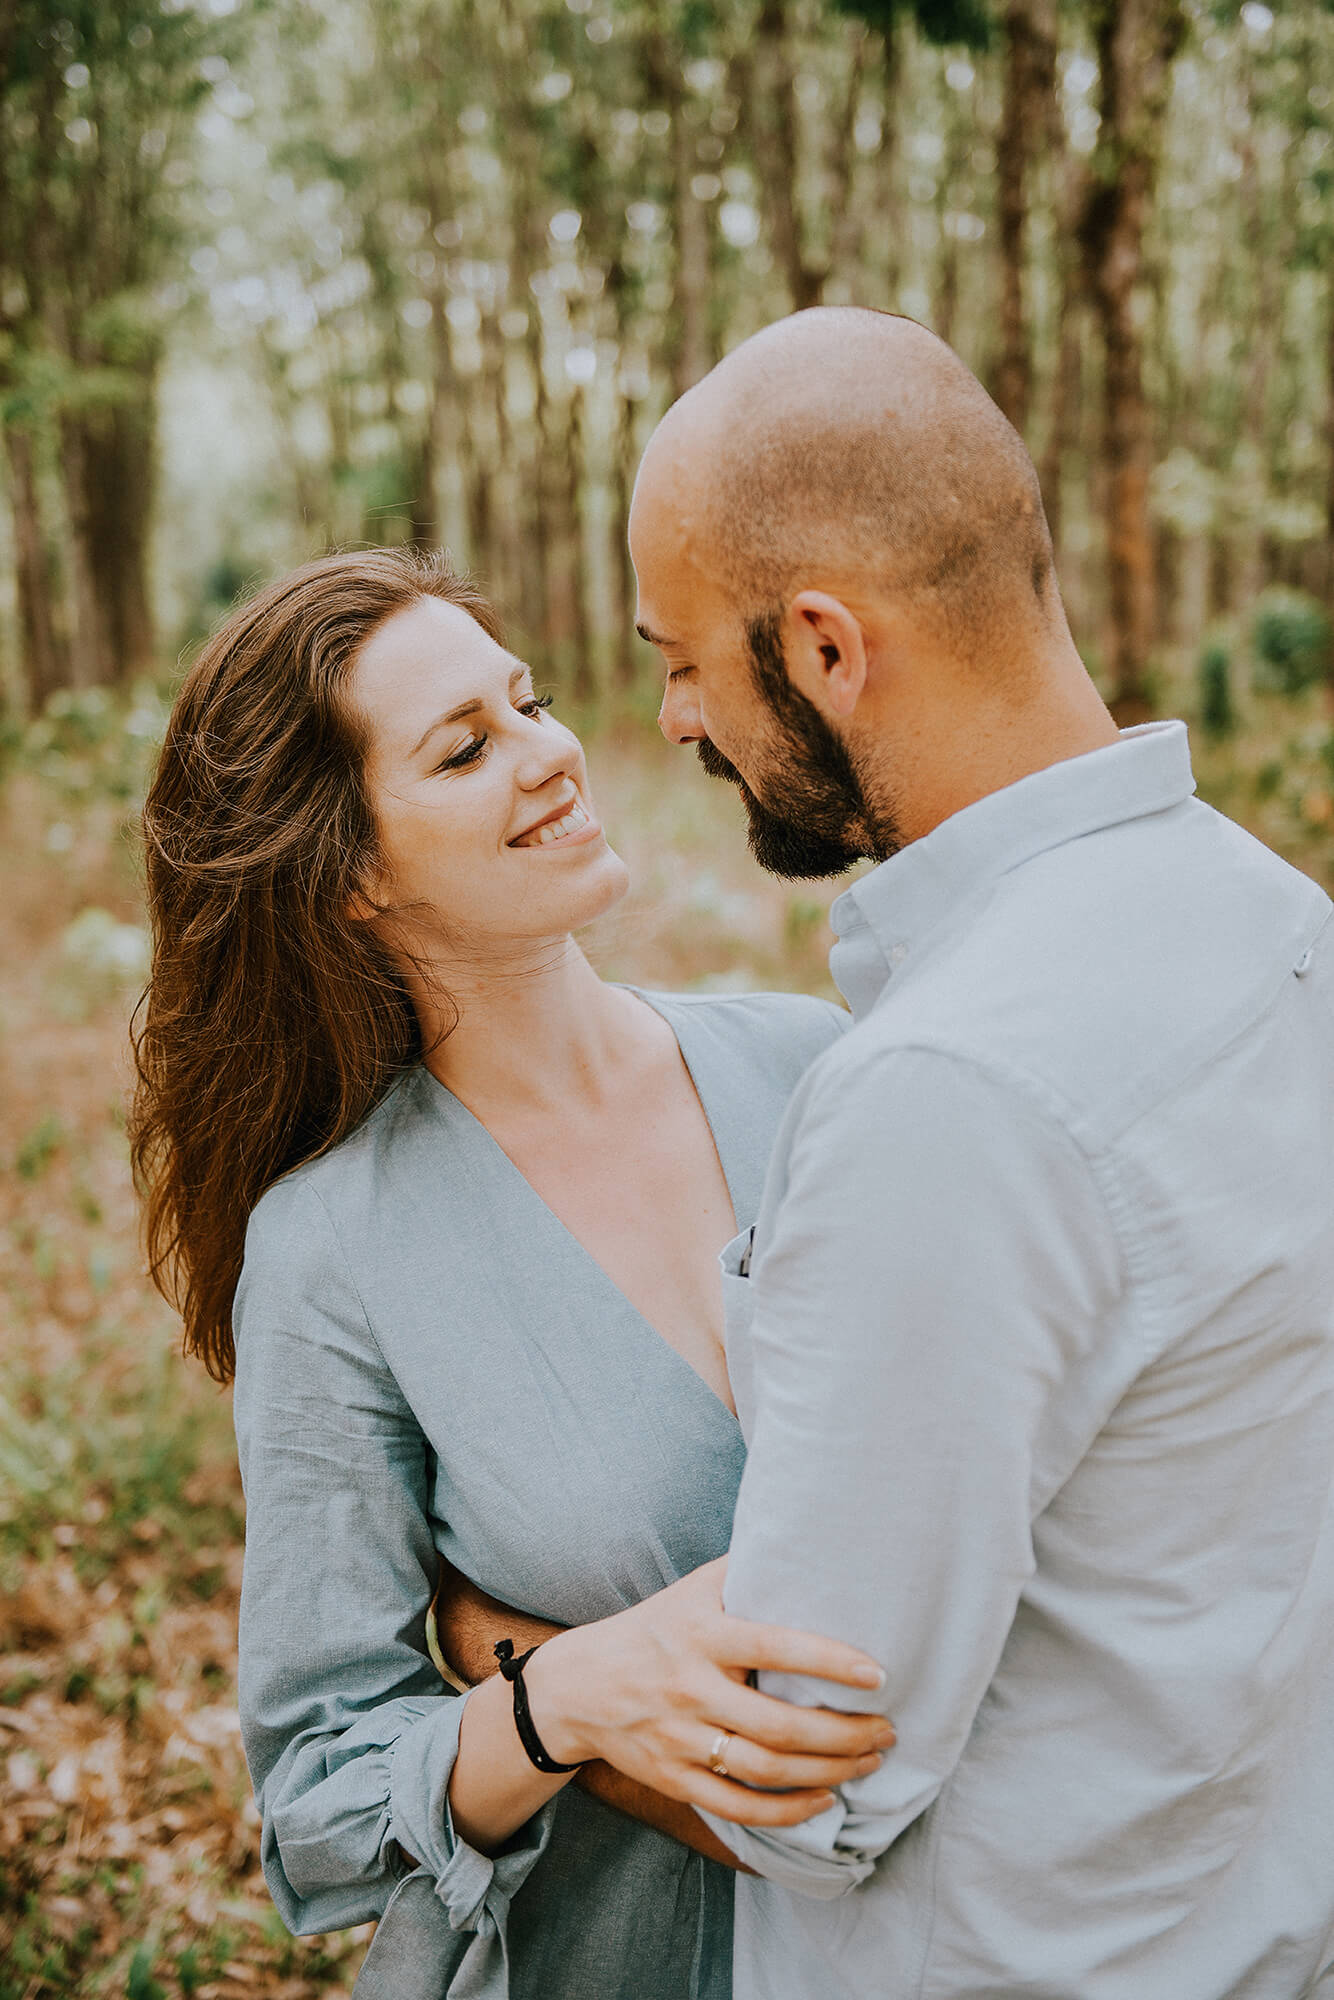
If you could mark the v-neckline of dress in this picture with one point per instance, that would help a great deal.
(564, 1234)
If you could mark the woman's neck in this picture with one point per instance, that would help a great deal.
(534, 1033)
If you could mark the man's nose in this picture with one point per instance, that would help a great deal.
(679, 717)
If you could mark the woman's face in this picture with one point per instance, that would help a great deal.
(488, 834)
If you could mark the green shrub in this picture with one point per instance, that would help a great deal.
(1292, 638)
(1217, 711)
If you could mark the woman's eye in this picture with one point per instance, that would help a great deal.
(469, 754)
(472, 752)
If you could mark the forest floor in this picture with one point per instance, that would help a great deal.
(128, 1838)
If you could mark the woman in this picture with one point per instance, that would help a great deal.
(479, 1317)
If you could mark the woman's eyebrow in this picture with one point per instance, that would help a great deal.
(465, 708)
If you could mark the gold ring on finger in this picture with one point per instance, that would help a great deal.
(717, 1762)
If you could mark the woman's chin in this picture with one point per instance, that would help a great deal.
(602, 883)
(607, 885)
(611, 887)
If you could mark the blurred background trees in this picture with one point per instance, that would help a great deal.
(275, 277)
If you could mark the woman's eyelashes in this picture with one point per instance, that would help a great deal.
(472, 751)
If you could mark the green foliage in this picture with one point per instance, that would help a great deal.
(191, 1971)
(802, 920)
(944, 23)
(1269, 778)
(1292, 635)
(39, 1148)
(139, 1981)
(131, 1453)
(92, 743)
(1218, 713)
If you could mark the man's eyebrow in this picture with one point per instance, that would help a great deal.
(653, 638)
(465, 708)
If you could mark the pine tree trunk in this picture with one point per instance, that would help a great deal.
(1270, 249)
(848, 222)
(1329, 479)
(1136, 41)
(506, 560)
(44, 660)
(91, 662)
(1067, 395)
(532, 526)
(892, 75)
(773, 122)
(1329, 436)
(623, 452)
(573, 473)
(117, 457)
(1071, 182)
(1030, 80)
(693, 357)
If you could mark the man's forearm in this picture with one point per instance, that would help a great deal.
(469, 1623)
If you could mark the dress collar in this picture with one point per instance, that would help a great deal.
(887, 914)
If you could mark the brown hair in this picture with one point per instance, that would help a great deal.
(274, 1019)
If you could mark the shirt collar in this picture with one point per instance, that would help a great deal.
(886, 914)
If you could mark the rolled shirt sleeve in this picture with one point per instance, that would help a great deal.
(935, 1260)
(349, 1733)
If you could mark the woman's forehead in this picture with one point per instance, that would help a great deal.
(420, 663)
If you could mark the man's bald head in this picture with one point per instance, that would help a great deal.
(844, 448)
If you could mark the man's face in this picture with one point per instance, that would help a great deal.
(728, 693)
(809, 818)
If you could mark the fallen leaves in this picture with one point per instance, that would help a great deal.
(129, 1841)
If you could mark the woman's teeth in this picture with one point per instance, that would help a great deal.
(554, 829)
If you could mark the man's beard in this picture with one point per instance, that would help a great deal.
(815, 819)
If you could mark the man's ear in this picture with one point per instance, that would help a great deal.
(825, 648)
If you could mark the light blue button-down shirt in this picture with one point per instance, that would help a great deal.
(1036, 1367)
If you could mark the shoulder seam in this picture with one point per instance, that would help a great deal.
(314, 1195)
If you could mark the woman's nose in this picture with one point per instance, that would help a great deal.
(549, 751)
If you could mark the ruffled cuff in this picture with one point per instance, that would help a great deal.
(476, 1889)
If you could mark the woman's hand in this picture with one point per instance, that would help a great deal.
(660, 1691)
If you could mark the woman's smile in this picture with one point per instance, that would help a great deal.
(563, 826)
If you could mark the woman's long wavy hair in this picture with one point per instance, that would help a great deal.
(274, 1019)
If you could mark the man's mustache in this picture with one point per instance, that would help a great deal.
(717, 766)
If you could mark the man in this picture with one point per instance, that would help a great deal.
(1035, 1357)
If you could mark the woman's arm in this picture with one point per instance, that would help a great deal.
(350, 1735)
(659, 1690)
(470, 1623)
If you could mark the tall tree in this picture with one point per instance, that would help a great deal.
(98, 98)
(1029, 53)
(1136, 42)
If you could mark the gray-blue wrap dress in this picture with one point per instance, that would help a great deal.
(428, 1363)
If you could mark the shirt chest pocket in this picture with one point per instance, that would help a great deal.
(738, 1310)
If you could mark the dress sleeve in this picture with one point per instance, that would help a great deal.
(929, 1312)
(349, 1733)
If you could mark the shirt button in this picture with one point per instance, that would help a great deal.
(1304, 963)
(897, 954)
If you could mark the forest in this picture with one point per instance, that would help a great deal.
(277, 277)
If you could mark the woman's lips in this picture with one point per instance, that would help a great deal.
(574, 820)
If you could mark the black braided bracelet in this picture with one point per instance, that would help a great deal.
(512, 1671)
